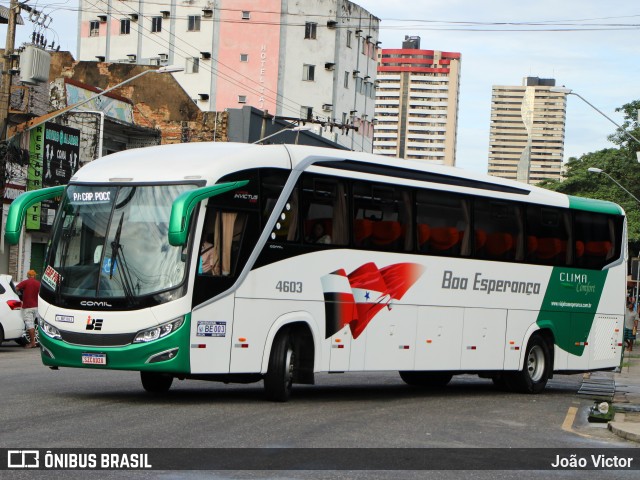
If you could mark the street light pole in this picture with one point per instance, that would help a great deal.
(36, 122)
(599, 170)
(568, 91)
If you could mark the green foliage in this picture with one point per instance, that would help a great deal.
(621, 164)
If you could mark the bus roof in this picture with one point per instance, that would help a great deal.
(211, 160)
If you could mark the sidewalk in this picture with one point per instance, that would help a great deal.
(626, 401)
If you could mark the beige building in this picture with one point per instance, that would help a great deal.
(416, 113)
(527, 131)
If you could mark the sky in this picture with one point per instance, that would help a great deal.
(589, 46)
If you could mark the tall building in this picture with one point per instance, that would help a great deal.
(417, 103)
(527, 131)
(309, 59)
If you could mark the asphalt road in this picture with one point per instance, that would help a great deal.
(72, 408)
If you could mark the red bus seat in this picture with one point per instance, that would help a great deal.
(385, 233)
(499, 244)
(444, 238)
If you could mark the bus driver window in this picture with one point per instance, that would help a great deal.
(220, 242)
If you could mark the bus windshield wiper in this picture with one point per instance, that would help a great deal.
(115, 246)
(117, 253)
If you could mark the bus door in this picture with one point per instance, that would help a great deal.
(228, 235)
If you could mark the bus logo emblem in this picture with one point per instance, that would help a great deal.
(94, 323)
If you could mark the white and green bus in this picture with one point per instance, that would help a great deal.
(241, 263)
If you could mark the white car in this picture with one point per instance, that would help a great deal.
(11, 324)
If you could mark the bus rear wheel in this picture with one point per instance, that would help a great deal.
(154, 382)
(535, 372)
(278, 380)
(426, 379)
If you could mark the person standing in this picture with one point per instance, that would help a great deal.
(630, 325)
(30, 289)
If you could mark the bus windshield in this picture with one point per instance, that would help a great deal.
(111, 241)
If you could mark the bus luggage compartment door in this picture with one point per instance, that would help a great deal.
(483, 339)
(340, 350)
(210, 341)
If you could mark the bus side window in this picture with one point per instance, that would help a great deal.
(548, 236)
(383, 217)
(595, 239)
(443, 223)
(220, 242)
(324, 210)
(498, 229)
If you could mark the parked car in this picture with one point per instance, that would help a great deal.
(11, 324)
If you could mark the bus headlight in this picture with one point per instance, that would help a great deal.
(160, 331)
(50, 330)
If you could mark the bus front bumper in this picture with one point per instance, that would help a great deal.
(169, 354)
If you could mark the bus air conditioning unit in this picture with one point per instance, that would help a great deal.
(34, 65)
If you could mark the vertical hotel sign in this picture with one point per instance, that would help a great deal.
(34, 174)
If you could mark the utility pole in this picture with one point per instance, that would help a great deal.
(7, 67)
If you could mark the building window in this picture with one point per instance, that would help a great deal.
(94, 28)
(306, 113)
(308, 72)
(346, 79)
(156, 24)
(193, 65)
(349, 35)
(194, 23)
(310, 30)
(244, 57)
(246, 15)
(125, 27)
(242, 99)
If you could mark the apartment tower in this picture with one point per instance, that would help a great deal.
(527, 131)
(417, 103)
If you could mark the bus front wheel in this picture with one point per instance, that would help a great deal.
(535, 372)
(278, 380)
(154, 382)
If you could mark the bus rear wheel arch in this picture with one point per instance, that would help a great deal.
(536, 370)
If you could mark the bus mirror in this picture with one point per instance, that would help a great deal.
(19, 207)
(186, 202)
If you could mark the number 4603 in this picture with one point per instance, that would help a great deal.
(289, 287)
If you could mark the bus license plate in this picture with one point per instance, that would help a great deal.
(94, 358)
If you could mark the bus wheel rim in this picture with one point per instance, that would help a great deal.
(535, 363)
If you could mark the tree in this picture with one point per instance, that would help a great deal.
(620, 163)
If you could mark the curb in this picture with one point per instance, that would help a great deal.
(617, 428)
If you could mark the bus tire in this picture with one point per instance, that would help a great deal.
(278, 380)
(535, 372)
(154, 382)
(426, 379)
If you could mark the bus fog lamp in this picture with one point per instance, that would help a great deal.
(160, 331)
(50, 330)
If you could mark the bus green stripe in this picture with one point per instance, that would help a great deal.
(592, 205)
(570, 304)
